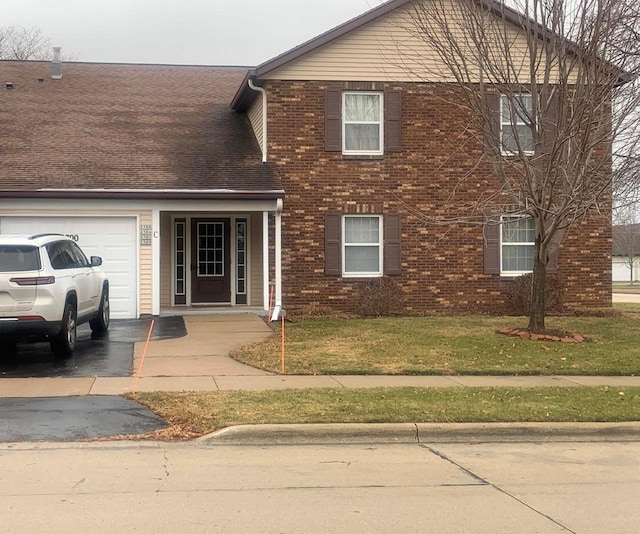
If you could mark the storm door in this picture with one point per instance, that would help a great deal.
(210, 261)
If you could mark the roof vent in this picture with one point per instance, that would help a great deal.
(56, 64)
(9, 85)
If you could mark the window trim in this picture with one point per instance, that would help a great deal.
(507, 121)
(380, 122)
(343, 246)
(504, 272)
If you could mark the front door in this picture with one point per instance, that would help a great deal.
(210, 261)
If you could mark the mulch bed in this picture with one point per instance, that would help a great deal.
(553, 335)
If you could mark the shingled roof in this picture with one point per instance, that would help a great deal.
(131, 130)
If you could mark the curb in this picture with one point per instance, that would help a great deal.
(363, 433)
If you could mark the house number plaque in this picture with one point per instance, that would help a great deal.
(145, 234)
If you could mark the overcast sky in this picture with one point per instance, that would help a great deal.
(197, 32)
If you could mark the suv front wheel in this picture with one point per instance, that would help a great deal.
(64, 342)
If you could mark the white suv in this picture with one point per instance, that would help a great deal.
(48, 287)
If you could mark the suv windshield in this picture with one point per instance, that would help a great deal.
(15, 258)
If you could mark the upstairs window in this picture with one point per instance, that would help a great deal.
(515, 124)
(362, 123)
(517, 244)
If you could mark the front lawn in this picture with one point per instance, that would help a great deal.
(191, 414)
(448, 345)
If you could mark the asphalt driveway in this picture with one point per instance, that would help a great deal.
(110, 354)
(73, 418)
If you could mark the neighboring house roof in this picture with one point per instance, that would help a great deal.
(130, 130)
(626, 239)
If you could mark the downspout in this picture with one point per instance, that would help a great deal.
(263, 92)
(277, 309)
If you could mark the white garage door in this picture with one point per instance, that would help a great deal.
(620, 272)
(113, 238)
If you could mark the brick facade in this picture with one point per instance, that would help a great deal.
(438, 176)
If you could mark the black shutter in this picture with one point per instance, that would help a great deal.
(552, 259)
(550, 123)
(492, 140)
(491, 237)
(333, 120)
(332, 244)
(392, 244)
(392, 121)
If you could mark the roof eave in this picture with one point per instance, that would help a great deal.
(243, 97)
(145, 194)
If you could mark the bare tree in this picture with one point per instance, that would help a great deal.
(19, 43)
(626, 237)
(550, 86)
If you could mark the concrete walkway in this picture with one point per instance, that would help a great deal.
(200, 362)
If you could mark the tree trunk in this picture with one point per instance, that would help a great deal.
(538, 286)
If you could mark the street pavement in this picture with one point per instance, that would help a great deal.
(486, 487)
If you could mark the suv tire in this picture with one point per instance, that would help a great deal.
(64, 342)
(101, 322)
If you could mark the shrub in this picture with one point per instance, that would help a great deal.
(380, 297)
(316, 311)
(597, 312)
(519, 297)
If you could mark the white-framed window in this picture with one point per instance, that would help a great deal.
(515, 124)
(517, 244)
(241, 261)
(362, 245)
(210, 241)
(362, 123)
(180, 245)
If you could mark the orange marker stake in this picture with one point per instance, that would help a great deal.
(144, 353)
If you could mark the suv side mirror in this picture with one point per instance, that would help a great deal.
(96, 261)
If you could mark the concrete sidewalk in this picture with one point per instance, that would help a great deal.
(61, 387)
(625, 297)
(200, 362)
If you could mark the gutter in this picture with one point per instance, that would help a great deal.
(186, 194)
(263, 92)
